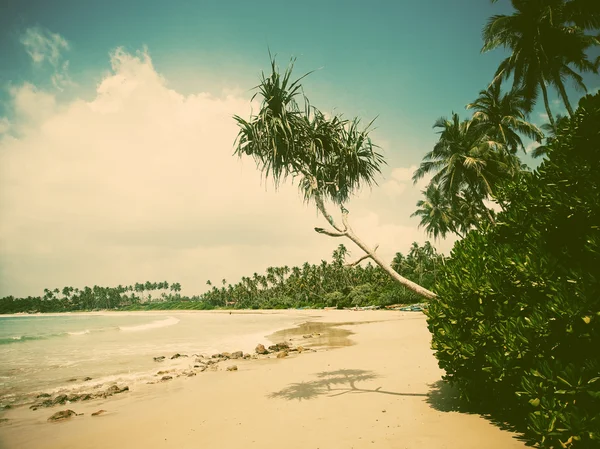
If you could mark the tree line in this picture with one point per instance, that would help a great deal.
(328, 284)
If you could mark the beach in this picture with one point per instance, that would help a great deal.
(371, 383)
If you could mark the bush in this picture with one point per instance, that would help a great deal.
(517, 323)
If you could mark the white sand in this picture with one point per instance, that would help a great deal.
(382, 392)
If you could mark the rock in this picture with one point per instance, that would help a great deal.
(86, 397)
(260, 349)
(165, 378)
(160, 373)
(232, 368)
(300, 349)
(201, 368)
(114, 389)
(247, 356)
(282, 354)
(211, 362)
(86, 379)
(99, 412)
(60, 399)
(188, 373)
(43, 395)
(64, 414)
(73, 398)
(159, 359)
(237, 355)
(176, 356)
(225, 355)
(3, 420)
(279, 347)
(201, 361)
(215, 356)
(74, 379)
(307, 336)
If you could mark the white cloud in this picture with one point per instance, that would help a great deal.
(45, 46)
(139, 183)
(531, 146)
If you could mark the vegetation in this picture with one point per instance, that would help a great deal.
(517, 322)
(330, 156)
(329, 284)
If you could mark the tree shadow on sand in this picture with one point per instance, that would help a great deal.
(446, 398)
(334, 383)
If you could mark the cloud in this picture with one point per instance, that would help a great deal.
(44, 46)
(139, 183)
(401, 179)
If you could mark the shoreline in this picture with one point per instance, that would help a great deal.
(381, 388)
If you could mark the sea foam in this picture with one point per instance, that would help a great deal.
(169, 321)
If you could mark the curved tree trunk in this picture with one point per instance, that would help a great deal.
(565, 98)
(546, 103)
(346, 231)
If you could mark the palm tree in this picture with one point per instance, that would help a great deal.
(436, 213)
(331, 157)
(550, 132)
(463, 159)
(546, 39)
(503, 117)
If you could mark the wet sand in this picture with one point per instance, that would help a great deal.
(376, 385)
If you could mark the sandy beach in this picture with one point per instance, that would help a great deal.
(379, 387)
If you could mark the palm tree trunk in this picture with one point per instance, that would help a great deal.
(546, 103)
(565, 98)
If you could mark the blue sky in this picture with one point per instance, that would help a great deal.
(406, 62)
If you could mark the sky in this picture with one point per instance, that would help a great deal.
(116, 130)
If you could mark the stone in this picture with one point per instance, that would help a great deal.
(63, 414)
(159, 359)
(3, 420)
(260, 349)
(188, 373)
(86, 379)
(43, 395)
(282, 354)
(60, 399)
(247, 356)
(237, 355)
(114, 389)
(160, 373)
(73, 398)
(300, 349)
(307, 336)
(232, 368)
(72, 380)
(165, 378)
(225, 355)
(86, 397)
(176, 356)
(98, 413)
(279, 347)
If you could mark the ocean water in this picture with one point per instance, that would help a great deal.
(44, 353)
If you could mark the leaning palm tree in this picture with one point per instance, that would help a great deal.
(503, 117)
(547, 44)
(331, 157)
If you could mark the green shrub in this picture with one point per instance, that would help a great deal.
(517, 323)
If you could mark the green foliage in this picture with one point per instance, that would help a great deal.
(517, 323)
(332, 156)
(322, 285)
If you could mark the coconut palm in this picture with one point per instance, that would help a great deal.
(503, 117)
(545, 44)
(435, 212)
(463, 158)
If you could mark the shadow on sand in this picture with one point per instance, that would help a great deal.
(441, 395)
(334, 383)
(445, 398)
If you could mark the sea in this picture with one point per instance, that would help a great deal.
(55, 353)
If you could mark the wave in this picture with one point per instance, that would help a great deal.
(87, 331)
(169, 321)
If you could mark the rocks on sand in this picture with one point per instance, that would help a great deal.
(98, 413)
(232, 368)
(260, 349)
(159, 359)
(63, 414)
